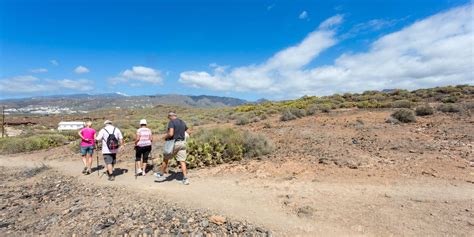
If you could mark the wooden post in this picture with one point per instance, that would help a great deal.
(3, 121)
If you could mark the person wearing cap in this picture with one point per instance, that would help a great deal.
(177, 132)
(110, 154)
(143, 143)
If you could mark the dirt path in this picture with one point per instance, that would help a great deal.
(422, 206)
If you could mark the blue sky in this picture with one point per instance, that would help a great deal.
(247, 49)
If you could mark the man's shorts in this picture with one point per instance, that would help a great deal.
(142, 153)
(110, 159)
(179, 151)
(87, 150)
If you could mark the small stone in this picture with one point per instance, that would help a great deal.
(205, 223)
(218, 220)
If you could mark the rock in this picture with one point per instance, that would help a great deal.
(305, 211)
(205, 223)
(218, 220)
(392, 120)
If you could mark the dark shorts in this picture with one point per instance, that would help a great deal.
(87, 150)
(110, 159)
(142, 153)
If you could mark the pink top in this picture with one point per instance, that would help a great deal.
(87, 133)
(145, 137)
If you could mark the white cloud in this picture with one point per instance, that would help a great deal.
(303, 15)
(270, 7)
(54, 62)
(430, 52)
(39, 70)
(139, 73)
(370, 26)
(81, 69)
(27, 85)
(331, 22)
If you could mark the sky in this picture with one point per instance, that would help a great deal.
(247, 49)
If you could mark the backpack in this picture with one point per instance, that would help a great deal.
(112, 141)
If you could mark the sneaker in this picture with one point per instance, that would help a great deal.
(185, 181)
(111, 178)
(159, 177)
(84, 171)
(144, 173)
(88, 172)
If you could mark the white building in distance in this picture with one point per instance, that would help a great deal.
(63, 126)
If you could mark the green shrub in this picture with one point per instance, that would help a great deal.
(31, 143)
(325, 108)
(449, 108)
(242, 121)
(287, 116)
(424, 110)
(222, 145)
(404, 115)
(401, 104)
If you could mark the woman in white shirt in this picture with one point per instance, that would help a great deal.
(142, 147)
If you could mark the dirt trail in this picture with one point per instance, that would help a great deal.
(422, 206)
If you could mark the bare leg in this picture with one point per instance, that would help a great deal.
(110, 169)
(143, 167)
(183, 168)
(84, 160)
(89, 163)
(164, 166)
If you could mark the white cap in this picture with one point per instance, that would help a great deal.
(143, 122)
(108, 122)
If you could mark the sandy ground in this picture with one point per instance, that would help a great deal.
(346, 173)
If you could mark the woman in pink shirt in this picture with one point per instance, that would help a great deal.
(87, 135)
(142, 147)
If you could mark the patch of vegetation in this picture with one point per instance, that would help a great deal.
(242, 121)
(450, 99)
(11, 145)
(404, 115)
(287, 116)
(401, 104)
(424, 110)
(449, 108)
(223, 145)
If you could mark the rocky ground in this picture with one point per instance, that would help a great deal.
(41, 200)
(346, 172)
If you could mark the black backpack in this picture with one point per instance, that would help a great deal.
(112, 141)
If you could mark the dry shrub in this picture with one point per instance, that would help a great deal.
(424, 110)
(404, 115)
(449, 108)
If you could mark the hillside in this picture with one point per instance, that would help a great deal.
(60, 104)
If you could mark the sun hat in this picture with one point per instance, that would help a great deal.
(172, 114)
(108, 122)
(143, 122)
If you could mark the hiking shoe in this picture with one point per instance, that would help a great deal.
(111, 178)
(88, 172)
(84, 170)
(185, 181)
(158, 175)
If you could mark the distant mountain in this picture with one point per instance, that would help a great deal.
(86, 102)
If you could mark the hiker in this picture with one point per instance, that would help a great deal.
(88, 136)
(112, 140)
(143, 143)
(176, 134)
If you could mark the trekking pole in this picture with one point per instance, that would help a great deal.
(97, 155)
(135, 164)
